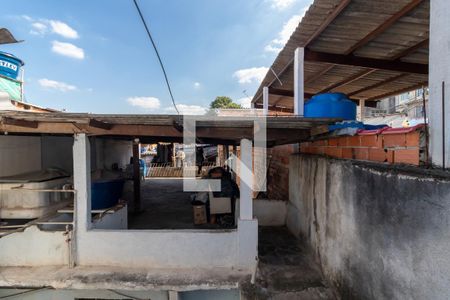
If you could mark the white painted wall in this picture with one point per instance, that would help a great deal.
(109, 151)
(57, 152)
(157, 248)
(154, 248)
(34, 247)
(116, 220)
(60, 294)
(19, 154)
(439, 71)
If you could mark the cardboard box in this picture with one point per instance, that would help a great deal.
(199, 214)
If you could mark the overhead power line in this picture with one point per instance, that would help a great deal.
(157, 54)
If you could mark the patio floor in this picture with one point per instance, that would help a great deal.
(165, 206)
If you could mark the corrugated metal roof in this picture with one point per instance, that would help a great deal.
(368, 49)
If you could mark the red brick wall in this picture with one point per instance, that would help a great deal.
(278, 172)
(393, 148)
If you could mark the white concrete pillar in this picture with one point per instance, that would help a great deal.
(299, 89)
(265, 101)
(439, 83)
(246, 180)
(362, 109)
(82, 181)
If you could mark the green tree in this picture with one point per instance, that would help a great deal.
(224, 102)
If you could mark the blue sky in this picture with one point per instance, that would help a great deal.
(94, 56)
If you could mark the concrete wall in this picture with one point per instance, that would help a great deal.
(19, 154)
(109, 151)
(57, 153)
(116, 220)
(34, 247)
(378, 232)
(439, 72)
(157, 248)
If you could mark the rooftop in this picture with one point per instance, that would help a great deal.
(367, 49)
(159, 128)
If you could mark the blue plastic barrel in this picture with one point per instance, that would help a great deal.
(10, 65)
(106, 193)
(330, 105)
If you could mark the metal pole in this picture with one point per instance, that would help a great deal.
(443, 124)
(136, 177)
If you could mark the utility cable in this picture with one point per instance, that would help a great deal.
(157, 54)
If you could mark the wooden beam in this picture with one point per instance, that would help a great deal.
(412, 49)
(330, 18)
(385, 25)
(348, 80)
(100, 124)
(319, 74)
(281, 92)
(276, 108)
(397, 92)
(357, 61)
(20, 122)
(373, 86)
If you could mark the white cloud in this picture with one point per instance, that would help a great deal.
(150, 103)
(27, 18)
(63, 29)
(67, 49)
(45, 26)
(250, 75)
(38, 28)
(56, 85)
(196, 85)
(282, 4)
(244, 102)
(186, 109)
(277, 44)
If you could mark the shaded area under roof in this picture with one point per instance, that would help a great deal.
(367, 49)
(158, 128)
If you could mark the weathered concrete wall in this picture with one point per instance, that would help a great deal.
(109, 151)
(57, 152)
(19, 154)
(34, 247)
(439, 82)
(157, 248)
(378, 232)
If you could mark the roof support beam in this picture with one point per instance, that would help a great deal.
(100, 124)
(382, 28)
(19, 122)
(400, 91)
(351, 60)
(373, 86)
(348, 80)
(319, 74)
(281, 92)
(412, 49)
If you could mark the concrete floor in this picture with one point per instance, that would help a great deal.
(165, 206)
(286, 269)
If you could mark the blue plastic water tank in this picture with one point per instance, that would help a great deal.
(330, 105)
(106, 193)
(10, 65)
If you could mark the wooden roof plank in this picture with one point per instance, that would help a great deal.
(366, 62)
